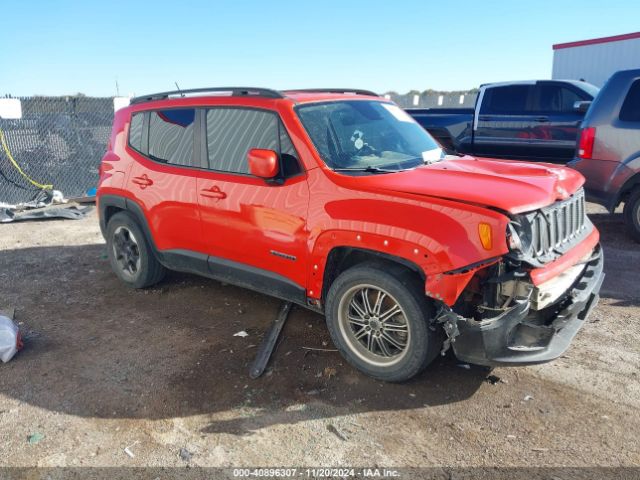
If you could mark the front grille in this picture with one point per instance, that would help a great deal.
(556, 228)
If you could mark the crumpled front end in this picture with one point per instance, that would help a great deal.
(505, 318)
(527, 306)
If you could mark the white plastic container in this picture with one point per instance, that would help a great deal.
(10, 341)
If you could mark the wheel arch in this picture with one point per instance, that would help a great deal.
(109, 205)
(631, 184)
(342, 257)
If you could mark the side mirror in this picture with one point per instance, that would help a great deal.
(581, 106)
(263, 163)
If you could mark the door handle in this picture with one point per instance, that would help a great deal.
(541, 119)
(485, 118)
(213, 192)
(143, 181)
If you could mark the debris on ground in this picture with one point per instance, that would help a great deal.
(337, 432)
(185, 455)
(10, 338)
(128, 451)
(45, 204)
(241, 333)
(494, 379)
(35, 438)
(72, 212)
(528, 397)
(320, 349)
(330, 372)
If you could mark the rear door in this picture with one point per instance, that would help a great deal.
(162, 178)
(505, 121)
(554, 135)
(253, 230)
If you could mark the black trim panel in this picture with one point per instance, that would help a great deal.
(257, 279)
(234, 273)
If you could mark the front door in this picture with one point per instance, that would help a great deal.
(253, 230)
(505, 122)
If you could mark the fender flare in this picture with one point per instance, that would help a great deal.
(128, 205)
(410, 255)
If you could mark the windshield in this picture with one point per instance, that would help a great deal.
(366, 135)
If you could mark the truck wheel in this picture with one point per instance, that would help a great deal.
(130, 254)
(632, 214)
(380, 322)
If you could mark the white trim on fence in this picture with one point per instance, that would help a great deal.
(10, 108)
(120, 102)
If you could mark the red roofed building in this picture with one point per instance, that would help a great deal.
(595, 60)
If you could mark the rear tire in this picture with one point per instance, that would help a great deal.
(380, 343)
(632, 214)
(130, 254)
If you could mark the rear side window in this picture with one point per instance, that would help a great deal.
(630, 111)
(556, 99)
(232, 132)
(512, 99)
(135, 131)
(171, 136)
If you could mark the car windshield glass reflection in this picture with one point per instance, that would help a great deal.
(367, 136)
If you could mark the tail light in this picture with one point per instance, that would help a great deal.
(587, 139)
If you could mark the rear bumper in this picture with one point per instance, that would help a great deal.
(520, 336)
(603, 180)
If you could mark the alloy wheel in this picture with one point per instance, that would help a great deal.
(374, 325)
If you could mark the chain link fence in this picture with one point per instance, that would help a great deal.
(56, 141)
(59, 141)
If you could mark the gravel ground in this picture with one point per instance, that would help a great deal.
(160, 372)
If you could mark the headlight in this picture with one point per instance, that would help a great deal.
(513, 239)
(519, 236)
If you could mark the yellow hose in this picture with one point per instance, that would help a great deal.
(17, 167)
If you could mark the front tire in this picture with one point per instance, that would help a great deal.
(379, 320)
(130, 254)
(632, 214)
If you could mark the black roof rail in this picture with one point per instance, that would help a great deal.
(356, 91)
(233, 91)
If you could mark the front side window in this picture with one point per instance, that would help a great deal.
(361, 134)
(556, 99)
(630, 111)
(507, 100)
(232, 132)
(171, 135)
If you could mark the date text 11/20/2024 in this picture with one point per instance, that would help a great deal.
(316, 472)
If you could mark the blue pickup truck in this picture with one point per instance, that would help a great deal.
(535, 120)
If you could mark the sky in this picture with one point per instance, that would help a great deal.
(59, 47)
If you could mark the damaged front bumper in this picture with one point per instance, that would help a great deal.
(522, 336)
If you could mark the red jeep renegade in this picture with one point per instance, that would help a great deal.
(338, 201)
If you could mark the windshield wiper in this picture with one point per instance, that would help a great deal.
(369, 169)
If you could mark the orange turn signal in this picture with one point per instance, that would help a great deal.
(484, 231)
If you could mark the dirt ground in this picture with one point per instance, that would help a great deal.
(160, 371)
